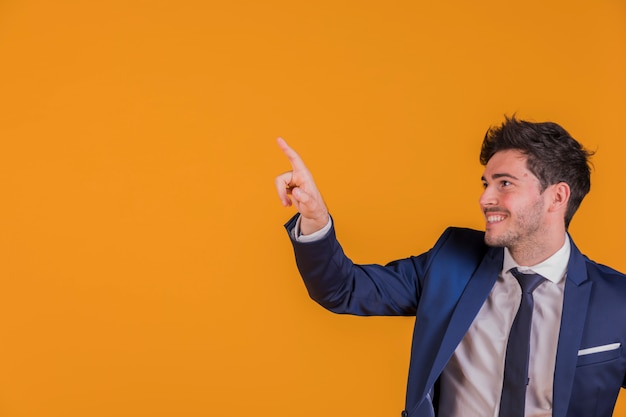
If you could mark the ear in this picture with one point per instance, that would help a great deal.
(560, 197)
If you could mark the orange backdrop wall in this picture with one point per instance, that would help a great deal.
(144, 269)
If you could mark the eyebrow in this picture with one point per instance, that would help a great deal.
(503, 175)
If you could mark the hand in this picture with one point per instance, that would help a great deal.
(296, 187)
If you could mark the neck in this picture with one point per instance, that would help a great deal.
(534, 252)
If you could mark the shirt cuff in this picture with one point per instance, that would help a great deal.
(315, 236)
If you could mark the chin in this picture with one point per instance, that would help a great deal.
(495, 240)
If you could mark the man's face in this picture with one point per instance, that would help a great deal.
(512, 202)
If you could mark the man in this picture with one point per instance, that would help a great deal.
(512, 322)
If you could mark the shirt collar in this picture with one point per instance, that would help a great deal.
(554, 268)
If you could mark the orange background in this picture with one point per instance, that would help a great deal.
(144, 267)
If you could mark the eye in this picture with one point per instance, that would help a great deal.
(505, 183)
(484, 185)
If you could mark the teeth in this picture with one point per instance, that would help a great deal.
(493, 219)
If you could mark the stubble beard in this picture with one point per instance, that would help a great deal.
(524, 232)
(500, 241)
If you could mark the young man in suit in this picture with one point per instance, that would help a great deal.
(510, 322)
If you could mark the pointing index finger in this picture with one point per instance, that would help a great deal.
(294, 158)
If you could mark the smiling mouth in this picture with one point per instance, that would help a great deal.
(495, 218)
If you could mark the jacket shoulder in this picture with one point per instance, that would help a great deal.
(461, 244)
(462, 237)
(597, 271)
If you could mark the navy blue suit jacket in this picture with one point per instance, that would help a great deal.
(444, 289)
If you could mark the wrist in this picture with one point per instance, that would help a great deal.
(311, 225)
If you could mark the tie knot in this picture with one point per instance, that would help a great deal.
(528, 282)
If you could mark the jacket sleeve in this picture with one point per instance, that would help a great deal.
(343, 287)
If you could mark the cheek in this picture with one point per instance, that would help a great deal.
(529, 208)
(508, 202)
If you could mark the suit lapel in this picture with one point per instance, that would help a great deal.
(575, 305)
(470, 302)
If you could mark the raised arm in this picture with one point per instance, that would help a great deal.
(297, 188)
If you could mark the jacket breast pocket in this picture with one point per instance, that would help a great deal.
(599, 354)
(597, 381)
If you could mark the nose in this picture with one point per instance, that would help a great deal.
(487, 198)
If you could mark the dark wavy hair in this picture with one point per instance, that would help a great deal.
(553, 155)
